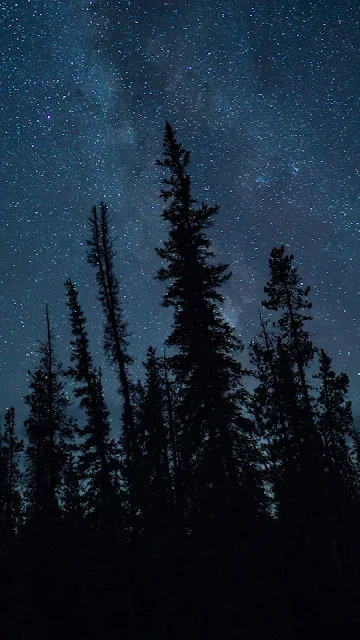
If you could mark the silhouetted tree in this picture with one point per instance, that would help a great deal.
(98, 455)
(285, 295)
(335, 422)
(274, 404)
(208, 376)
(294, 353)
(304, 504)
(49, 432)
(101, 255)
(98, 465)
(11, 449)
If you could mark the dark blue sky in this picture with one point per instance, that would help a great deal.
(265, 96)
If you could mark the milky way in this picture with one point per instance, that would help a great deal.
(266, 98)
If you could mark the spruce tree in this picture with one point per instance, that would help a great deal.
(98, 461)
(304, 503)
(335, 423)
(49, 432)
(205, 364)
(101, 256)
(295, 350)
(11, 449)
(275, 409)
(107, 583)
(334, 416)
(285, 295)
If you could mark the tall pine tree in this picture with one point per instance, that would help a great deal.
(335, 423)
(97, 451)
(208, 374)
(98, 466)
(101, 256)
(303, 501)
(49, 431)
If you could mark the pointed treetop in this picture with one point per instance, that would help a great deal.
(175, 157)
(284, 284)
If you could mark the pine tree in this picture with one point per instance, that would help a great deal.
(49, 432)
(334, 415)
(208, 376)
(108, 582)
(274, 404)
(335, 423)
(101, 256)
(285, 294)
(295, 350)
(300, 479)
(98, 453)
(11, 449)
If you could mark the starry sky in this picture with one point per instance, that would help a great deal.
(265, 95)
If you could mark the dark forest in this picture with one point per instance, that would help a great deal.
(203, 511)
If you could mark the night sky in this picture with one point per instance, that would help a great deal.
(266, 96)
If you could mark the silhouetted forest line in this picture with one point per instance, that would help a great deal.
(212, 512)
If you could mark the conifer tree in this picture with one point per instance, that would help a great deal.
(98, 467)
(98, 453)
(334, 417)
(300, 479)
(207, 374)
(275, 409)
(49, 431)
(286, 296)
(101, 256)
(11, 449)
(335, 423)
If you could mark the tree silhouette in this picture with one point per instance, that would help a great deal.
(98, 461)
(101, 256)
(98, 466)
(335, 422)
(11, 449)
(49, 431)
(304, 503)
(207, 374)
